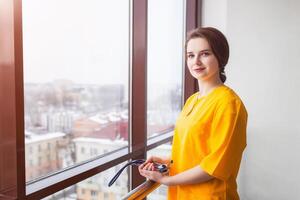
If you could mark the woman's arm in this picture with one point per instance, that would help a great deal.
(191, 176)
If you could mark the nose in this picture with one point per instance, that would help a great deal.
(198, 59)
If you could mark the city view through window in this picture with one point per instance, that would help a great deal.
(75, 82)
(164, 64)
(76, 87)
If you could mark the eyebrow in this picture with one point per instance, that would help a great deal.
(205, 50)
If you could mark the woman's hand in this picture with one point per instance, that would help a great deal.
(160, 160)
(147, 170)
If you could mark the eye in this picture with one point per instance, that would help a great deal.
(190, 56)
(205, 54)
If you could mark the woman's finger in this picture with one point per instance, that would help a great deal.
(141, 166)
(147, 166)
(150, 167)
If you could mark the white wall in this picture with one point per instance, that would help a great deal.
(264, 69)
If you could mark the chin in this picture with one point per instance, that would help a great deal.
(200, 77)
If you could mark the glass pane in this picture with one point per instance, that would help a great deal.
(164, 64)
(160, 193)
(75, 81)
(95, 188)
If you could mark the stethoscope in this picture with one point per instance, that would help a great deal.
(162, 168)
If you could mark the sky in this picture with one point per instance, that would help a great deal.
(88, 41)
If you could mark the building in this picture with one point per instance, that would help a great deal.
(43, 153)
(96, 187)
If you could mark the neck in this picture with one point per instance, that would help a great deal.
(206, 86)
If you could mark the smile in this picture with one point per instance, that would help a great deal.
(199, 69)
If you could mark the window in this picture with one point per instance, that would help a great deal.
(68, 193)
(82, 150)
(94, 193)
(76, 69)
(94, 187)
(55, 52)
(30, 150)
(164, 64)
(93, 151)
(40, 161)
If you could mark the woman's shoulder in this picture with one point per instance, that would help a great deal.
(227, 99)
(226, 95)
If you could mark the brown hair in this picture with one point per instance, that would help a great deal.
(217, 42)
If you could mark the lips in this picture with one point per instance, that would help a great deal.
(199, 69)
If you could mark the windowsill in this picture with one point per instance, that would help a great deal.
(142, 190)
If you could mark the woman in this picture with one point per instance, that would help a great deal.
(210, 132)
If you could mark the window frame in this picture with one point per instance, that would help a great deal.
(12, 103)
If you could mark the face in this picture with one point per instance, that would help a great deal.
(202, 63)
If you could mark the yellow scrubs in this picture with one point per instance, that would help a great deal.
(210, 133)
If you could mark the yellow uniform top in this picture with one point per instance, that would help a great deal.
(211, 133)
